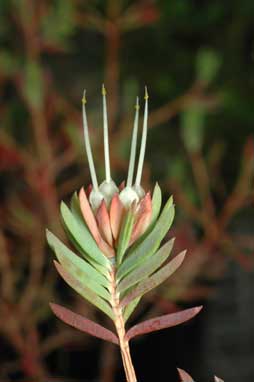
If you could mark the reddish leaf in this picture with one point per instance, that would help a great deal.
(156, 279)
(92, 225)
(88, 215)
(103, 221)
(162, 322)
(116, 213)
(185, 377)
(144, 215)
(83, 324)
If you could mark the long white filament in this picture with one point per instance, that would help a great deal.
(133, 146)
(105, 134)
(143, 142)
(88, 145)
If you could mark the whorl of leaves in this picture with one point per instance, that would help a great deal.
(138, 269)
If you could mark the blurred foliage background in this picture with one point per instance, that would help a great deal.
(196, 57)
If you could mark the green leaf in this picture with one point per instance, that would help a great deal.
(151, 243)
(79, 268)
(85, 292)
(128, 310)
(83, 237)
(61, 249)
(156, 203)
(155, 280)
(97, 266)
(125, 235)
(146, 269)
(76, 211)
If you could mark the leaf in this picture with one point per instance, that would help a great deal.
(62, 252)
(79, 271)
(216, 379)
(125, 235)
(151, 243)
(103, 270)
(155, 279)
(129, 309)
(92, 225)
(103, 222)
(85, 292)
(116, 214)
(162, 322)
(83, 324)
(156, 206)
(83, 237)
(76, 211)
(185, 377)
(147, 268)
(142, 218)
(156, 203)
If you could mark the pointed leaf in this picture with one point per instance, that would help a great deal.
(64, 254)
(143, 218)
(88, 215)
(185, 377)
(103, 221)
(146, 269)
(156, 206)
(162, 322)
(83, 237)
(125, 235)
(76, 211)
(78, 269)
(216, 379)
(129, 309)
(151, 243)
(100, 268)
(83, 324)
(116, 214)
(85, 292)
(92, 225)
(155, 280)
(156, 203)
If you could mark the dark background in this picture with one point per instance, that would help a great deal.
(196, 57)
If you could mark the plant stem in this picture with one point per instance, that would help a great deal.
(120, 328)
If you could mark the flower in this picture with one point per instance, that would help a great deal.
(106, 207)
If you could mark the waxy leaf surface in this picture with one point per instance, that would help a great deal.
(83, 324)
(150, 244)
(82, 236)
(146, 269)
(85, 292)
(125, 235)
(155, 280)
(65, 255)
(156, 203)
(162, 322)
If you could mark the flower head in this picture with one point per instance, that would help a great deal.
(105, 206)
